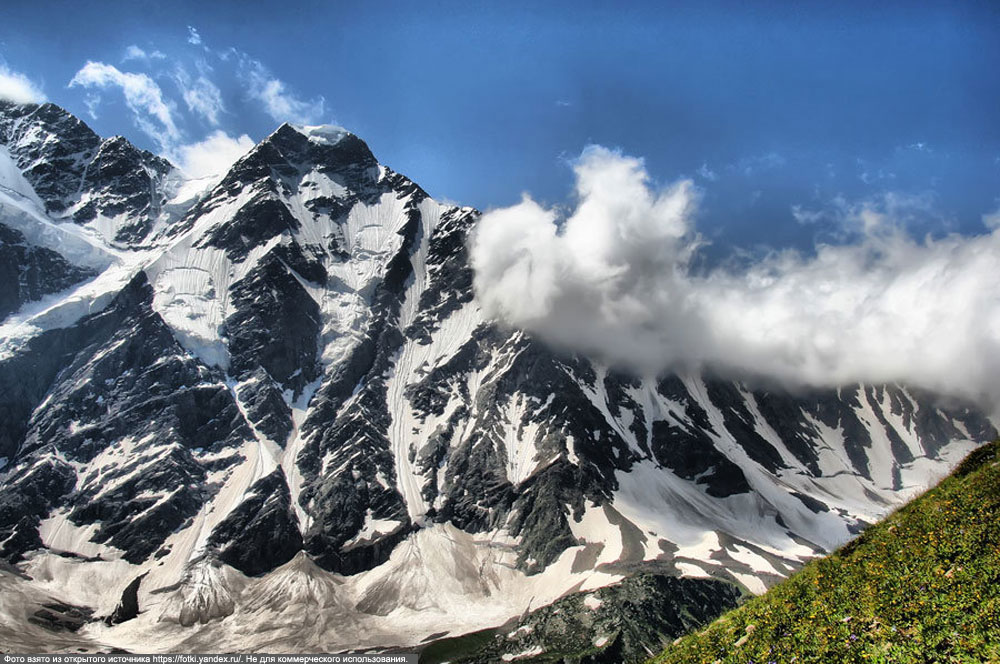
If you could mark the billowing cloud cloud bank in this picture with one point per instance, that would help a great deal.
(613, 279)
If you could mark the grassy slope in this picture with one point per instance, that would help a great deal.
(922, 586)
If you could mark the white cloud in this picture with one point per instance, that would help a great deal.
(134, 52)
(92, 101)
(193, 36)
(212, 156)
(18, 88)
(764, 162)
(871, 177)
(142, 94)
(991, 220)
(889, 210)
(281, 104)
(708, 173)
(613, 280)
(807, 217)
(200, 95)
(609, 271)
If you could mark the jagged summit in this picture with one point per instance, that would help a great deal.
(328, 147)
(325, 175)
(46, 114)
(296, 370)
(109, 186)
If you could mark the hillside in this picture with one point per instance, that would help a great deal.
(923, 585)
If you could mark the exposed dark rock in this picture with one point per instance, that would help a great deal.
(28, 273)
(357, 441)
(266, 406)
(262, 532)
(26, 497)
(727, 397)
(685, 446)
(128, 606)
(253, 224)
(60, 617)
(275, 326)
(450, 282)
(784, 413)
(692, 455)
(617, 624)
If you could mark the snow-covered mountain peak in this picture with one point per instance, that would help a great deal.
(296, 163)
(50, 121)
(327, 148)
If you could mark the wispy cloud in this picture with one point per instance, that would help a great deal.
(871, 174)
(18, 88)
(708, 173)
(200, 94)
(154, 114)
(175, 114)
(920, 146)
(93, 102)
(894, 211)
(751, 165)
(134, 52)
(151, 112)
(276, 99)
(991, 220)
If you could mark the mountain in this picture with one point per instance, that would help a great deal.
(919, 587)
(273, 416)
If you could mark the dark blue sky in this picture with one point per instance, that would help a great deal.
(814, 107)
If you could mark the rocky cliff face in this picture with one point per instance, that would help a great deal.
(28, 272)
(108, 184)
(286, 391)
(611, 625)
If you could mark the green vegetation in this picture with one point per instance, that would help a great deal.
(922, 586)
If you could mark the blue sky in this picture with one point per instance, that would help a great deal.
(785, 115)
